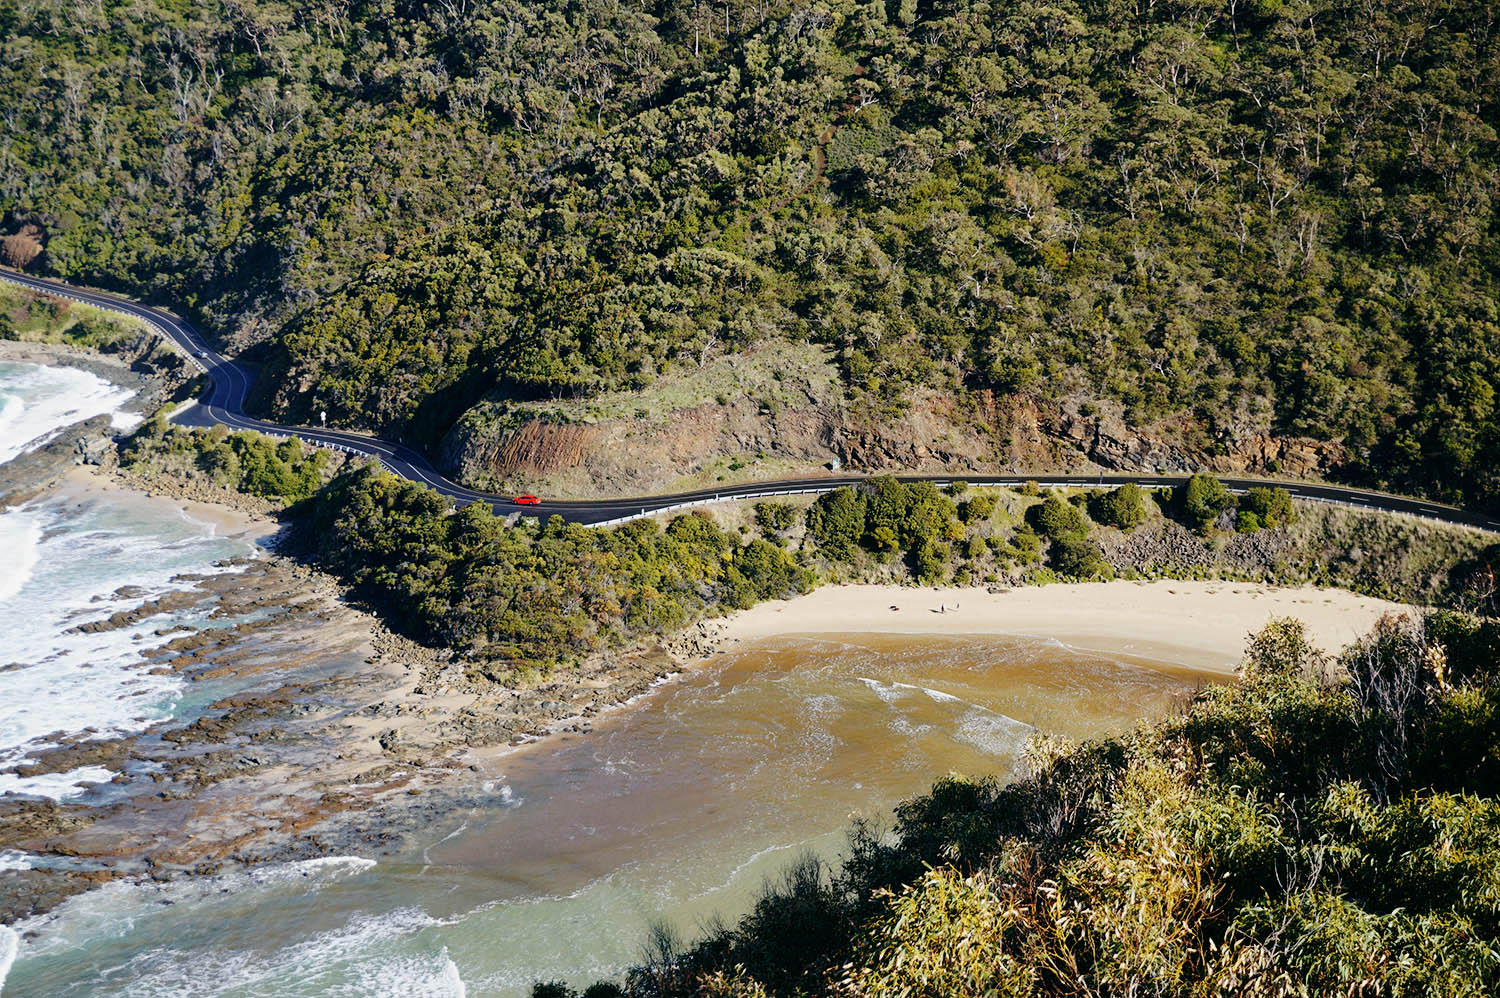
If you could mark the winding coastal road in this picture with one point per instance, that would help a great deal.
(230, 382)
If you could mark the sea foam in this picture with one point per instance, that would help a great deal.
(11, 860)
(37, 402)
(9, 944)
(68, 562)
(20, 539)
(58, 786)
(994, 733)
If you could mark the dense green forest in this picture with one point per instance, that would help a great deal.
(520, 599)
(1238, 216)
(1320, 828)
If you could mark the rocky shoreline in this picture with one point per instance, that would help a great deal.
(349, 740)
(342, 738)
(151, 370)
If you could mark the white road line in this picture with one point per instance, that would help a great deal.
(233, 383)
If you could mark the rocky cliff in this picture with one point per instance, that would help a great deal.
(781, 410)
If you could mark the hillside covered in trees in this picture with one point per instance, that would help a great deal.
(1230, 218)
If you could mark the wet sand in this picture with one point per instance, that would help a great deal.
(84, 483)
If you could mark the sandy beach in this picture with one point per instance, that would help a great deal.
(1202, 624)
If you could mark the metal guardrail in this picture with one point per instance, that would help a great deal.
(151, 323)
(999, 482)
(1005, 483)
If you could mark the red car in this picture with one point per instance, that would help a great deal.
(526, 501)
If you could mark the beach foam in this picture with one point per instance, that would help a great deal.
(37, 401)
(58, 786)
(123, 420)
(70, 559)
(11, 408)
(20, 539)
(10, 943)
(175, 939)
(320, 871)
(994, 733)
(12, 860)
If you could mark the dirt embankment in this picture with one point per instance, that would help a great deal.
(683, 434)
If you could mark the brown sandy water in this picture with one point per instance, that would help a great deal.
(673, 809)
(682, 805)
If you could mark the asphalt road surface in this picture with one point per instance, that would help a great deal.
(230, 382)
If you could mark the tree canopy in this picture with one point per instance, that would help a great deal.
(1244, 218)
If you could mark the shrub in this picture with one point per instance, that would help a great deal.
(836, 522)
(929, 560)
(883, 539)
(1201, 499)
(775, 518)
(1125, 507)
(927, 513)
(1053, 518)
(1281, 648)
(244, 461)
(1265, 507)
(20, 249)
(888, 515)
(911, 949)
(886, 503)
(1025, 546)
(1076, 555)
(977, 508)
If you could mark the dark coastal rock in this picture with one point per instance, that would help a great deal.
(129, 618)
(111, 754)
(28, 475)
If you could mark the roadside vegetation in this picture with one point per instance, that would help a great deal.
(520, 597)
(1229, 219)
(39, 319)
(285, 471)
(1321, 827)
(525, 598)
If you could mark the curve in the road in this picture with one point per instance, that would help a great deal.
(230, 382)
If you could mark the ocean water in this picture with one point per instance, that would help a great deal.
(62, 566)
(676, 808)
(66, 563)
(36, 401)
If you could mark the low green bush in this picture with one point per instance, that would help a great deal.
(285, 470)
(1201, 499)
(1124, 507)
